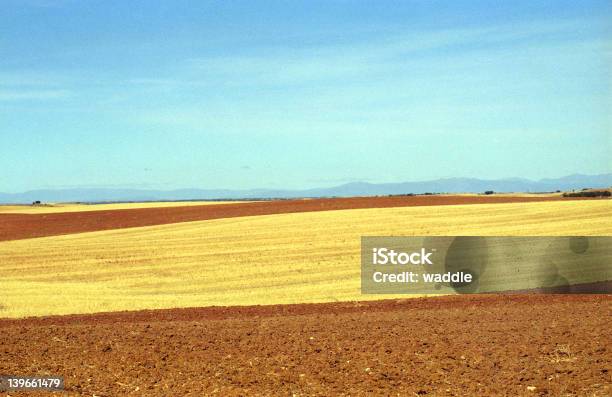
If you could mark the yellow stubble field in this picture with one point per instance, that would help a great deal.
(286, 258)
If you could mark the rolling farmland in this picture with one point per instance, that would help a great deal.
(204, 273)
(51, 221)
(283, 258)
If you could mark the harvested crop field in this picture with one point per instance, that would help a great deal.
(495, 345)
(14, 226)
(275, 259)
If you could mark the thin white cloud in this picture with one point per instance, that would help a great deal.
(289, 65)
(28, 95)
(282, 66)
(31, 79)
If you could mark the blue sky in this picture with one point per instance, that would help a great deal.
(288, 94)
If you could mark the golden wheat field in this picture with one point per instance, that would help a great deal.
(286, 258)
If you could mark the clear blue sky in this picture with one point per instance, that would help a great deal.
(288, 94)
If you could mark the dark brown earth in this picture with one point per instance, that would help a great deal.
(496, 345)
(21, 226)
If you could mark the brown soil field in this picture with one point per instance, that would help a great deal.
(486, 345)
(15, 226)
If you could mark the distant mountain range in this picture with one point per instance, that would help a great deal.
(448, 185)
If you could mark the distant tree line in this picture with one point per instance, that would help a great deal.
(589, 193)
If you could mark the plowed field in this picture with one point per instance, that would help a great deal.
(519, 345)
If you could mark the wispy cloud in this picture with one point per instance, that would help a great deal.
(473, 74)
(31, 79)
(33, 95)
(371, 59)
(33, 86)
(165, 82)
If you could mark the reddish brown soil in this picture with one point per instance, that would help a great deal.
(21, 226)
(503, 345)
